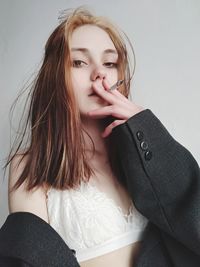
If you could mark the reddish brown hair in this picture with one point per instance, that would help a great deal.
(56, 152)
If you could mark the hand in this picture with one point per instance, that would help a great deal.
(120, 107)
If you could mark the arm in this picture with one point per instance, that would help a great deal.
(20, 199)
(163, 179)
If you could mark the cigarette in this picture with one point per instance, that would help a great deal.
(116, 85)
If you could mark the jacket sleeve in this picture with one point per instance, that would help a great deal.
(27, 240)
(161, 175)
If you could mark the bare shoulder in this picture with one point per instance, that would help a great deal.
(20, 199)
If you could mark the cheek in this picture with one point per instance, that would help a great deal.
(74, 80)
(79, 77)
(112, 76)
(79, 85)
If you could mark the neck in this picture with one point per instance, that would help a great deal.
(99, 161)
(95, 128)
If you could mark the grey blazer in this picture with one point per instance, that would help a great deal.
(163, 180)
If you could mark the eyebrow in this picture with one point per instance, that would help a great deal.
(86, 51)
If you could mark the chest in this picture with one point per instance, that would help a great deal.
(90, 220)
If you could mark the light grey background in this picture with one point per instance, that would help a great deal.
(166, 39)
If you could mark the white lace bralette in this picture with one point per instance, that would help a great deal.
(90, 222)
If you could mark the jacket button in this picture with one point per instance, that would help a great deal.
(144, 145)
(73, 251)
(148, 155)
(139, 135)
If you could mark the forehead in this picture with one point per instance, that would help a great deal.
(91, 36)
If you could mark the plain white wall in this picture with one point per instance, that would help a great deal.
(166, 39)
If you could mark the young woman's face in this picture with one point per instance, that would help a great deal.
(93, 58)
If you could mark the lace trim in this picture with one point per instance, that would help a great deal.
(127, 215)
(130, 210)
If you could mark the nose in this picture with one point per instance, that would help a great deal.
(98, 73)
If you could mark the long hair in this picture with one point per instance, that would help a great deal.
(56, 155)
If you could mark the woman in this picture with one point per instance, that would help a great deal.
(93, 153)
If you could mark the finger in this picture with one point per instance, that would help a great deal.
(110, 127)
(114, 92)
(100, 90)
(103, 112)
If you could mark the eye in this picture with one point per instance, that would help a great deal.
(78, 63)
(111, 64)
